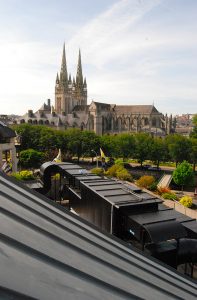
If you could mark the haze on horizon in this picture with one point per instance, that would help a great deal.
(133, 51)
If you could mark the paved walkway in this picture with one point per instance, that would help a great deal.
(165, 181)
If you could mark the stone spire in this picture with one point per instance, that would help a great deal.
(79, 77)
(57, 79)
(63, 72)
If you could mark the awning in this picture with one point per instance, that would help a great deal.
(163, 231)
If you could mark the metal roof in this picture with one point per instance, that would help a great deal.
(49, 253)
(5, 131)
(119, 194)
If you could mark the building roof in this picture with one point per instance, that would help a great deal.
(49, 253)
(136, 109)
(5, 131)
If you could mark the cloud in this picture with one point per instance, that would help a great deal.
(135, 52)
(132, 56)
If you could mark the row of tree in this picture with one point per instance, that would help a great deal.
(140, 146)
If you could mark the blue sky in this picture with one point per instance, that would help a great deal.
(133, 51)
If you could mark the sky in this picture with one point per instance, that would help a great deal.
(133, 51)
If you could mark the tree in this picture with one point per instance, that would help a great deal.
(179, 147)
(31, 158)
(143, 146)
(193, 152)
(82, 142)
(194, 131)
(158, 151)
(124, 145)
(183, 174)
(108, 145)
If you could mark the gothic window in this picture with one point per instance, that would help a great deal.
(135, 122)
(119, 124)
(109, 123)
(40, 122)
(22, 121)
(91, 123)
(30, 121)
(35, 122)
(58, 104)
(47, 122)
(146, 122)
(127, 123)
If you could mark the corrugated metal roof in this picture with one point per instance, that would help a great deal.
(49, 253)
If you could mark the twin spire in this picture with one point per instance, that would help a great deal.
(63, 78)
(63, 72)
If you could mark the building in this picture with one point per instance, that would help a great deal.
(71, 110)
(49, 253)
(184, 125)
(7, 147)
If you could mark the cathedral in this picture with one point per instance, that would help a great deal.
(72, 111)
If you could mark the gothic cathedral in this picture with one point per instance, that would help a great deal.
(72, 111)
(68, 92)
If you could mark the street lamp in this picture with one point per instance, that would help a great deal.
(96, 157)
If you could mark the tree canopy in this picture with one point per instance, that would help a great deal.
(183, 174)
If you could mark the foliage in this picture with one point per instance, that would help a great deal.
(139, 147)
(108, 145)
(56, 176)
(153, 186)
(24, 175)
(97, 171)
(170, 196)
(179, 147)
(118, 171)
(194, 131)
(183, 174)
(186, 201)
(119, 161)
(145, 181)
(82, 142)
(112, 171)
(161, 190)
(194, 151)
(124, 175)
(124, 145)
(143, 146)
(31, 158)
(159, 150)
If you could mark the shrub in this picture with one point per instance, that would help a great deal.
(119, 161)
(170, 196)
(56, 176)
(31, 158)
(24, 175)
(118, 171)
(97, 171)
(186, 201)
(112, 171)
(153, 186)
(145, 181)
(124, 175)
(162, 190)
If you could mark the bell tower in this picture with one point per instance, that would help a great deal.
(61, 88)
(68, 92)
(80, 92)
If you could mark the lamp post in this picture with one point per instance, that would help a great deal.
(96, 157)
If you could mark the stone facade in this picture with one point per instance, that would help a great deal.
(71, 110)
(7, 144)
